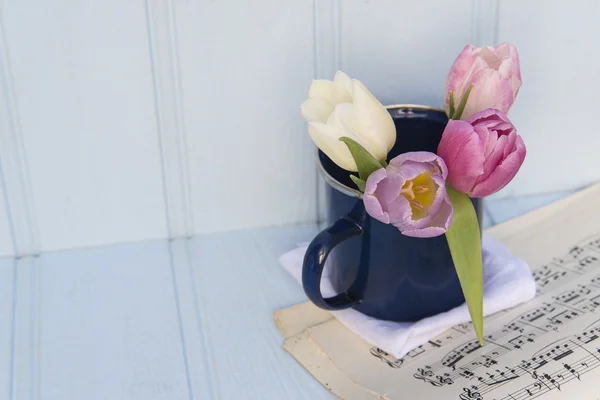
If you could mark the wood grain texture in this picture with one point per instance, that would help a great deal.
(6, 326)
(185, 319)
(327, 30)
(502, 210)
(18, 229)
(484, 23)
(402, 50)
(169, 116)
(6, 241)
(199, 353)
(559, 93)
(109, 326)
(240, 284)
(245, 70)
(82, 78)
(26, 328)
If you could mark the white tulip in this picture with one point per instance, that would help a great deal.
(345, 107)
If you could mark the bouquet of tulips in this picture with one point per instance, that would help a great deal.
(421, 193)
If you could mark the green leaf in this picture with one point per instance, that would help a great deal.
(359, 182)
(365, 162)
(451, 106)
(463, 103)
(464, 240)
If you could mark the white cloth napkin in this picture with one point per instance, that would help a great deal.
(508, 281)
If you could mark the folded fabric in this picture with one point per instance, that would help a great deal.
(508, 281)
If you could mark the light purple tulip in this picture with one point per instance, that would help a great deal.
(483, 153)
(494, 73)
(410, 193)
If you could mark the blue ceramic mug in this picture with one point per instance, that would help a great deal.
(374, 268)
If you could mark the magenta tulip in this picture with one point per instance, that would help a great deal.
(410, 193)
(483, 153)
(494, 73)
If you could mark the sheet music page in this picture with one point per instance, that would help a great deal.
(547, 348)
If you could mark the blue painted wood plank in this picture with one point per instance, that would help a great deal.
(6, 325)
(504, 209)
(108, 325)
(240, 283)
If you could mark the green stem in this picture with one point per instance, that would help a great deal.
(463, 103)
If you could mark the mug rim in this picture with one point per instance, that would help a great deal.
(339, 186)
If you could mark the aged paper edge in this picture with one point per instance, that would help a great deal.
(320, 366)
(295, 319)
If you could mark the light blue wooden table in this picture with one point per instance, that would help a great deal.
(186, 319)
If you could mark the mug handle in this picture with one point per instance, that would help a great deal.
(314, 262)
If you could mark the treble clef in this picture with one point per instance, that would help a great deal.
(426, 376)
(469, 394)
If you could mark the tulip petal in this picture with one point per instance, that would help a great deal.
(488, 54)
(504, 173)
(326, 139)
(410, 170)
(507, 70)
(494, 155)
(421, 157)
(316, 109)
(458, 72)
(491, 115)
(345, 116)
(512, 69)
(323, 89)
(376, 123)
(508, 50)
(490, 90)
(343, 88)
(399, 210)
(438, 225)
(462, 151)
(370, 199)
(510, 143)
(382, 197)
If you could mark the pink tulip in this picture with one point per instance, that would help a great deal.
(410, 193)
(483, 153)
(494, 73)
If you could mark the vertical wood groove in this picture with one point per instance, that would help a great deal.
(484, 23)
(198, 356)
(327, 60)
(14, 169)
(165, 60)
(164, 55)
(25, 349)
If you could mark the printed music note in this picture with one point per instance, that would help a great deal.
(387, 358)
(416, 352)
(562, 317)
(573, 296)
(554, 382)
(516, 326)
(534, 388)
(470, 394)
(561, 337)
(467, 374)
(572, 371)
(593, 243)
(518, 341)
(587, 261)
(428, 377)
(547, 277)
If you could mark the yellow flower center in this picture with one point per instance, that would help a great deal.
(420, 193)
